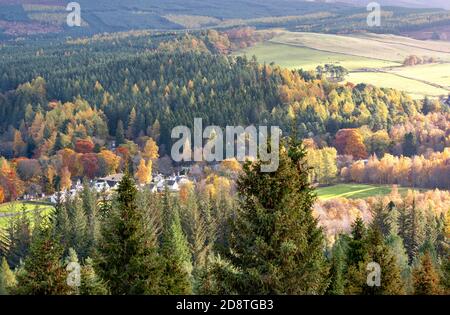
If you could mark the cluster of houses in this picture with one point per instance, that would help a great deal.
(110, 183)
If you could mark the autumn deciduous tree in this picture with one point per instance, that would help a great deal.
(144, 172)
(109, 162)
(84, 146)
(65, 181)
(425, 277)
(150, 150)
(230, 166)
(350, 142)
(2, 195)
(90, 164)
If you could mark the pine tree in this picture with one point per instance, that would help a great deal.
(19, 238)
(276, 245)
(127, 255)
(7, 278)
(357, 251)
(43, 272)
(197, 235)
(416, 236)
(91, 284)
(380, 217)
(378, 252)
(337, 270)
(445, 280)
(79, 238)
(90, 209)
(425, 277)
(61, 224)
(357, 246)
(120, 133)
(175, 250)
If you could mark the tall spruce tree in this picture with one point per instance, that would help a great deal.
(91, 283)
(378, 252)
(79, 240)
(276, 245)
(90, 209)
(197, 235)
(43, 272)
(175, 251)
(120, 133)
(357, 251)
(128, 257)
(7, 278)
(19, 238)
(337, 269)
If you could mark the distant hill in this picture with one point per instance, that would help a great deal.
(444, 4)
(28, 18)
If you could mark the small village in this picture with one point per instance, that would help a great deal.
(109, 184)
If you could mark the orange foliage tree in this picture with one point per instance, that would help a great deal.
(84, 146)
(350, 142)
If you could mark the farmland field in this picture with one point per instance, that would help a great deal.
(390, 48)
(437, 73)
(370, 58)
(413, 87)
(355, 191)
(16, 207)
(293, 57)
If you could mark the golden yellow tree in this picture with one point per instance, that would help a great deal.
(144, 172)
(65, 182)
(150, 150)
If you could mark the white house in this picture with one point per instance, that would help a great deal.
(172, 185)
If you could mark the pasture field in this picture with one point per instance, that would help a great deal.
(295, 57)
(390, 48)
(417, 89)
(16, 207)
(436, 73)
(355, 191)
(370, 58)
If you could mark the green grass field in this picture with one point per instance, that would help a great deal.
(415, 88)
(381, 53)
(391, 48)
(438, 73)
(293, 57)
(355, 191)
(16, 207)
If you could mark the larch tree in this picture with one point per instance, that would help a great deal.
(144, 172)
(425, 277)
(65, 179)
(151, 150)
